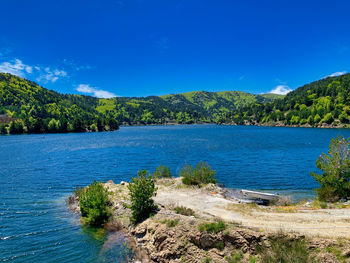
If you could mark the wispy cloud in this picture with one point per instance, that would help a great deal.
(41, 74)
(71, 64)
(335, 74)
(281, 90)
(162, 44)
(16, 67)
(50, 75)
(86, 88)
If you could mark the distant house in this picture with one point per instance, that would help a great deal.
(4, 119)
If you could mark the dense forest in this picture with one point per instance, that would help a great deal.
(323, 103)
(25, 107)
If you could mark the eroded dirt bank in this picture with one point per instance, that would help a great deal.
(172, 237)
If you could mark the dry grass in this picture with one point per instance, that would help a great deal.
(245, 209)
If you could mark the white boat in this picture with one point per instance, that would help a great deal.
(258, 195)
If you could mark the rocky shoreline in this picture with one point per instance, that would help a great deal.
(281, 124)
(169, 236)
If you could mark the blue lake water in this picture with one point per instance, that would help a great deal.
(38, 172)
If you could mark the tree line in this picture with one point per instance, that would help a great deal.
(35, 109)
(323, 102)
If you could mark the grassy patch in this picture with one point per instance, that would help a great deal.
(171, 223)
(235, 257)
(220, 245)
(284, 249)
(337, 252)
(184, 211)
(317, 204)
(214, 227)
(206, 260)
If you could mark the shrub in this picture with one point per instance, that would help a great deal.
(142, 189)
(220, 245)
(3, 129)
(172, 223)
(162, 172)
(283, 249)
(235, 258)
(78, 192)
(335, 179)
(184, 211)
(317, 118)
(94, 204)
(328, 118)
(201, 174)
(16, 127)
(214, 227)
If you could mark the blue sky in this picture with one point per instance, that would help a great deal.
(140, 48)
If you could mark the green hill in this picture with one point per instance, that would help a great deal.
(323, 103)
(33, 109)
(191, 107)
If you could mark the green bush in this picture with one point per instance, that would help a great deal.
(94, 204)
(142, 189)
(235, 258)
(214, 227)
(3, 129)
(220, 245)
(78, 192)
(184, 211)
(283, 249)
(162, 172)
(335, 179)
(201, 174)
(172, 223)
(16, 127)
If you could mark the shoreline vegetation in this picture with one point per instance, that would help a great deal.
(191, 219)
(323, 103)
(25, 107)
(181, 230)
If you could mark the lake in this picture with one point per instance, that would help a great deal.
(38, 172)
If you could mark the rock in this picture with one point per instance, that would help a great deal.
(250, 236)
(123, 183)
(236, 239)
(208, 240)
(346, 253)
(140, 231)
(327, 258)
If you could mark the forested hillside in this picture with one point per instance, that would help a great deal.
(34, 109)
(325, 103)
(25, 107)
(192, 107)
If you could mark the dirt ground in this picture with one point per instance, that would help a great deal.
(331, 223)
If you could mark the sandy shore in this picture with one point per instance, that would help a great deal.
(333, 223)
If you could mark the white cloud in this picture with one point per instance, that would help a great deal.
(50, 75)
(18, 68)
(71, 64)
(86, 88)
(15, 67)
(241, 77)
(281, 90)
(162, 44)
(335, 74)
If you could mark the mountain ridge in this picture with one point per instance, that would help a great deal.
(321, 103)
(35, 109)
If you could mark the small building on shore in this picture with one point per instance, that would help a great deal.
(4, 119)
